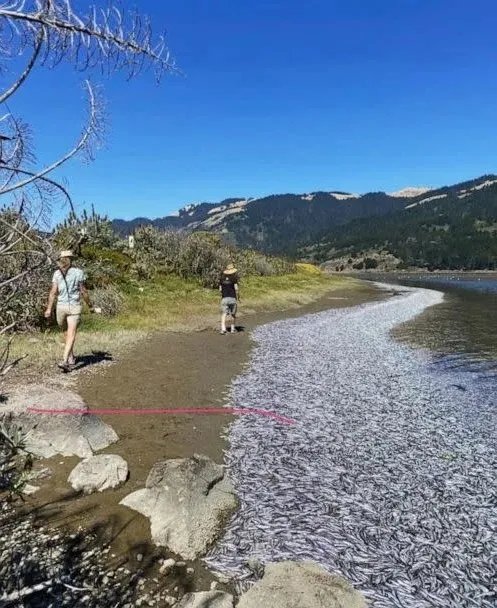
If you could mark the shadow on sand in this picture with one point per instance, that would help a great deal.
(96, 357)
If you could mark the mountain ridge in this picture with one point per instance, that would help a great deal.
(281, 223)
(449, 229)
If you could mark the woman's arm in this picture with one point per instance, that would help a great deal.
(51, 299)
(86, 296)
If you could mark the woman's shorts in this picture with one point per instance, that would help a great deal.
(68, 313)
(228, 306)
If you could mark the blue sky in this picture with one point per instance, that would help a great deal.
(286, 96)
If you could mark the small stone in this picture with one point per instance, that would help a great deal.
(214, 585)
(167, 566)
(190, 571)
(139, 557)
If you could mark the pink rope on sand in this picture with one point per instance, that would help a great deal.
(170, 412)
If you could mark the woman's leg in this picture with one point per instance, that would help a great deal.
(72, 328)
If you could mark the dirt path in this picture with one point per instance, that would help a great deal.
(167, 371)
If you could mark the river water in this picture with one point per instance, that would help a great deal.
(463, 328)
(388, 476)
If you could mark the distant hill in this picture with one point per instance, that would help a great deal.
(449, 228)
(323, 225)
(273, 224)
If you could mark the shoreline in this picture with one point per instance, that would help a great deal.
(340, 487)
(364, 275)
(164, 370)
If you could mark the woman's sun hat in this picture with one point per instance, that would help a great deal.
(230, 269)
(66, 253)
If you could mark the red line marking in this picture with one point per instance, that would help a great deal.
(170, 412)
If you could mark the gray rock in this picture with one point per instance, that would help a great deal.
(207, 599)
(99, 473)
(187, 500)
(73, 434)
(301, 585)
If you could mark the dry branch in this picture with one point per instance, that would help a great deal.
(46, 33)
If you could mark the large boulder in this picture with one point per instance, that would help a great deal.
(187, 500)
(99, 473)
(206, 599)
(73, 432)
(301, 585)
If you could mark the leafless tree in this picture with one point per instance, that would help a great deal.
(45, 33)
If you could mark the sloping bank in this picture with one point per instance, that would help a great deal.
(172, 370)
(388, 475)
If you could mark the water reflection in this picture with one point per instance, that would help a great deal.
(463, 329)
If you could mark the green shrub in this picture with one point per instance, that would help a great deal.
(92, 228)
(104, 267)
(370, 263)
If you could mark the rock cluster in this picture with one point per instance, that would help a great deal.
(187, 501)
(43, 569)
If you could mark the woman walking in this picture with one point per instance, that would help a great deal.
(68, 286)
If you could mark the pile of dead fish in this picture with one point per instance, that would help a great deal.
(388, 476)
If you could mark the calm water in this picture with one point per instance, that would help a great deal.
(463, 328)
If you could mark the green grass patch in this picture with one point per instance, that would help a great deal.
(172, 303)
(175, 304)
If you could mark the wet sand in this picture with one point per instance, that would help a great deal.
(169, 370)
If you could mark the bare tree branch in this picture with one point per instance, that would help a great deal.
(90, 130)
(102, 37)
(46, 33)
(47, 180)
(9, 92)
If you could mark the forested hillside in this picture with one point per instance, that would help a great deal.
(455, 230)
(448, 227)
